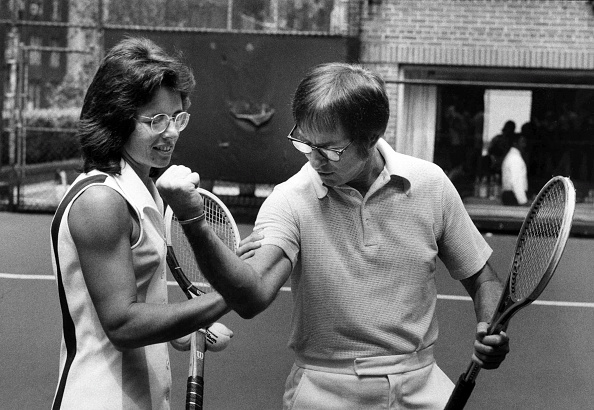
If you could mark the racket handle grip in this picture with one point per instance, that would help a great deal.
(460, 394)
(194, 393)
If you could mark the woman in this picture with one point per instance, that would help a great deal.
(108, 238)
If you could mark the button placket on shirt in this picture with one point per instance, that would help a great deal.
(367, 221)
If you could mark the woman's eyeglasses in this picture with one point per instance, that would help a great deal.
(160, 122)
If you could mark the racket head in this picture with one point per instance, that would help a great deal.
(542, 239)
(539, 247)
(180, 252)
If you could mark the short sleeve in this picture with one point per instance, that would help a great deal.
(278, 223)
(462, 248)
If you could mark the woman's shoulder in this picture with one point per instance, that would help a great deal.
(99, 212)
(100, 197)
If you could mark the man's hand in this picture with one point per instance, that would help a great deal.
(177, 186)
(248, 245)
(489, 351)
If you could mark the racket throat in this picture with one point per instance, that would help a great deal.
(502, 315)
(471, 373)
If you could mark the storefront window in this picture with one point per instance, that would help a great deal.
(559, 133)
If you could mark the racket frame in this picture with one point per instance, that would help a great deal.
(219, 202)
(507, 307)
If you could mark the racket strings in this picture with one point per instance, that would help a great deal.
(538, 241)
(219, 222)
(185, 257)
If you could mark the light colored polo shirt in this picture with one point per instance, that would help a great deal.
(363, 279)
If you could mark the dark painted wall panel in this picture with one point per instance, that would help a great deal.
(243, 73)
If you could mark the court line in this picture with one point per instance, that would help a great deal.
(536, 302)
(25, 276)
(288, 289)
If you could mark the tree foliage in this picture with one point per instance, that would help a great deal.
(83, 36)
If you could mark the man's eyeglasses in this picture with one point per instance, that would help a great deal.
(307, 148)
(160, 122)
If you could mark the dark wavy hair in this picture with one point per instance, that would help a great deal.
(334, 95)
(127, 78)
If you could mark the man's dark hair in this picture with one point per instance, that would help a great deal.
(343, 95)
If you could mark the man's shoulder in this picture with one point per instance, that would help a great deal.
(408, 166)
(297, 182)
(296, 189)
(417, 169)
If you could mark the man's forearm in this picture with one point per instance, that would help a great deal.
(486, 299)
(485, 289)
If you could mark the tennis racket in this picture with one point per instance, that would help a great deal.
(539, 247)
(185, 270)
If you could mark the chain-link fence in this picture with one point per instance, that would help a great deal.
(48, 160)
(38, 151)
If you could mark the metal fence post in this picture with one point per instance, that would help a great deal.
(10, 107)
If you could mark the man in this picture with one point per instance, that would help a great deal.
(514, 174)
(499, 146)
(358, 230)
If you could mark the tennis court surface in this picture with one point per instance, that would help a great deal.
(551, 365)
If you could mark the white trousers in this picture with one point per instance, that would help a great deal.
(397, 382)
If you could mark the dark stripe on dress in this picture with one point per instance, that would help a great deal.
(67, 322)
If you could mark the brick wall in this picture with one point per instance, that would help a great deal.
(545, 23)
(544, 34)
(395, 29)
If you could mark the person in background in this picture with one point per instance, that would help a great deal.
(499, 146)
(108, 238)
(357, 231)
(514, 174)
